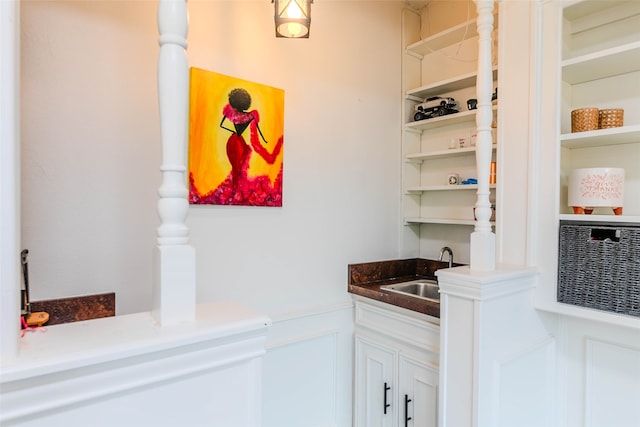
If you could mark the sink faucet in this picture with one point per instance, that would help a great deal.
(450, 252)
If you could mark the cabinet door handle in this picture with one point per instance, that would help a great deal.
(386, 405)
(406, 410)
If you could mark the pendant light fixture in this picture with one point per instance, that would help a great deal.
(293, 18)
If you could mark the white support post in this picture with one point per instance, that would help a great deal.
(174, 284)
(483, 240)
(10, 277)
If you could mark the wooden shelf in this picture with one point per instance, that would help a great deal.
(604, 63)
(602, 137)
(432, 155)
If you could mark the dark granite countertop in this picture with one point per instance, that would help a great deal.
(365, 280)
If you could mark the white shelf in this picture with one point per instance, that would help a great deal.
(448, 120)
(418, 220)
(463, 187)
(449, 221)
(449, 37)
(589, 314)
(601, 218)
(431, 155)
(604, 63)
(578, 9)
(601, 137)
(445, 86)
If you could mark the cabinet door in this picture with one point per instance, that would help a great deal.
(375, 385)
(418, 386)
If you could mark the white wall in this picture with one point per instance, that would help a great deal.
(91, 150)
(90, 147)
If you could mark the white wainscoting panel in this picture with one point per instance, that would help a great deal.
(524, 378)
(209, 398)
(308, 369)
(600, 374)
(612, 374)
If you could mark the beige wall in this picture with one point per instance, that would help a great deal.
(438, 15)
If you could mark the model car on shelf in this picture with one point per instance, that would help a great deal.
(435, 106)
(472, 103)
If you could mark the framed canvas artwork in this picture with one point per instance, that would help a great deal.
(235, 141)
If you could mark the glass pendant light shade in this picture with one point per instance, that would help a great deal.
(293, 18)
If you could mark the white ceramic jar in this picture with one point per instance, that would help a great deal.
(596, 187)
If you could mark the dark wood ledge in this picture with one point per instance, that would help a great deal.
(74, 309)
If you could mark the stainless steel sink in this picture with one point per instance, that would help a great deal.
(423, 288)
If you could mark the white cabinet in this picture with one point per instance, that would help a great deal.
(375, 384)
(436, 213)
(396, 367)
(418, 386)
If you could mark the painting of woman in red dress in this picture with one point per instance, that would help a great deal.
(252, 169)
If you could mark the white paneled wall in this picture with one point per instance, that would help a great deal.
(601, 370)
(308, 369)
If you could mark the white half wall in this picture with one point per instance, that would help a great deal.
(128, 371)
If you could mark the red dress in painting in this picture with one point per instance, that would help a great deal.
(239, 188)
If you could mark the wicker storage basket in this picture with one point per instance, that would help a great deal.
(610, 118)
(599, 266)
(584, 119)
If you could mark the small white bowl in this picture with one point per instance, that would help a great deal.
(596, 187)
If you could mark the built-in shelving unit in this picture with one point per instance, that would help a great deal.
(600, 67)
(436, 214)
(591, 52)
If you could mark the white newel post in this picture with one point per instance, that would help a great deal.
(174, 260)
(483, 241)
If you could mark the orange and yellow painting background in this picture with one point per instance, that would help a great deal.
(208, 94)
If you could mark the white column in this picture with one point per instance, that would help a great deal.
(174, 260)
(483, 241)
(10, 275)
